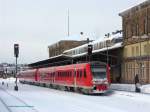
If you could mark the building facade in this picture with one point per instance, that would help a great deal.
(136, 52)
(7, 70)
(59, 47)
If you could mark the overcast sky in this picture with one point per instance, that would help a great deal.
(35, 24)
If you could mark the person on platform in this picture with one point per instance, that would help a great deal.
(137, 84)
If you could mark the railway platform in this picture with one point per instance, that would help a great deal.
(12, 103)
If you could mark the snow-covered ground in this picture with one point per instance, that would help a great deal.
(131, 88)
(38, 99)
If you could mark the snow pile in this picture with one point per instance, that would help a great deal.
(123, 87)
(130, 88)
(145, 88)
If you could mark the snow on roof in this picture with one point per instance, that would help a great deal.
(118, 45)
(76, 48)
(118, 35)
(139, 2)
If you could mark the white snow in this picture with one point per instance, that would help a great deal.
(118, 35)
(42, 99)
(131, 88)
(145, 88)
(139, 2)
(118, 45)
(123, 87)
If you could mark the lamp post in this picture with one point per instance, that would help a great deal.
(107, 41)
(16, 54)
(90, 48)
(107, 52)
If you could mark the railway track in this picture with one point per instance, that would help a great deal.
(12, 103)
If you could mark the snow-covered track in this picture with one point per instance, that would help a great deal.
(7, 109)
(12, 103)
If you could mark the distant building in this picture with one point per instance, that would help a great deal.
(1, 70)
(59, 47)
(10, 69)
(136, 33)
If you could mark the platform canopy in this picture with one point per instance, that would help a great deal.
(53, 61)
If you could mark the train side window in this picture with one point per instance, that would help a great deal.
(84, 73)
(70, 73)
(80, 73)
(74, 73)
(64, 74)
(77, 74)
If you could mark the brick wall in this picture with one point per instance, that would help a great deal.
(136, 60)
(59, 47)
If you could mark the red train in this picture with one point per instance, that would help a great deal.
(93, 77)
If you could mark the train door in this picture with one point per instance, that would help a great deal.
(108, 73)
(75, 74)
(37, 75)
(53, 75)
(79, 77)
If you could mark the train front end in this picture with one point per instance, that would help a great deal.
(100, 77)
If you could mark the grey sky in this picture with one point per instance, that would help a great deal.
(35, 24)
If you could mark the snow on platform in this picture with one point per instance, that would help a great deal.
(123, 87)
(49, 100)
(130, 88)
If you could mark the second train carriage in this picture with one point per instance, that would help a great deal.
(87, 78)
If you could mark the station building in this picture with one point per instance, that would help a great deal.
(136, 51)
(108, 50)
(59, 47)
(127, 56)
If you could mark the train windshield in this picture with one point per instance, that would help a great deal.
(98, 73)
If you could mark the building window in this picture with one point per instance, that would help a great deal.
(126, 31)
(148, 22)
(145, 26)
(137, 51)
(133, 51)
(145, 49)
(137, 30)
(125, 52)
